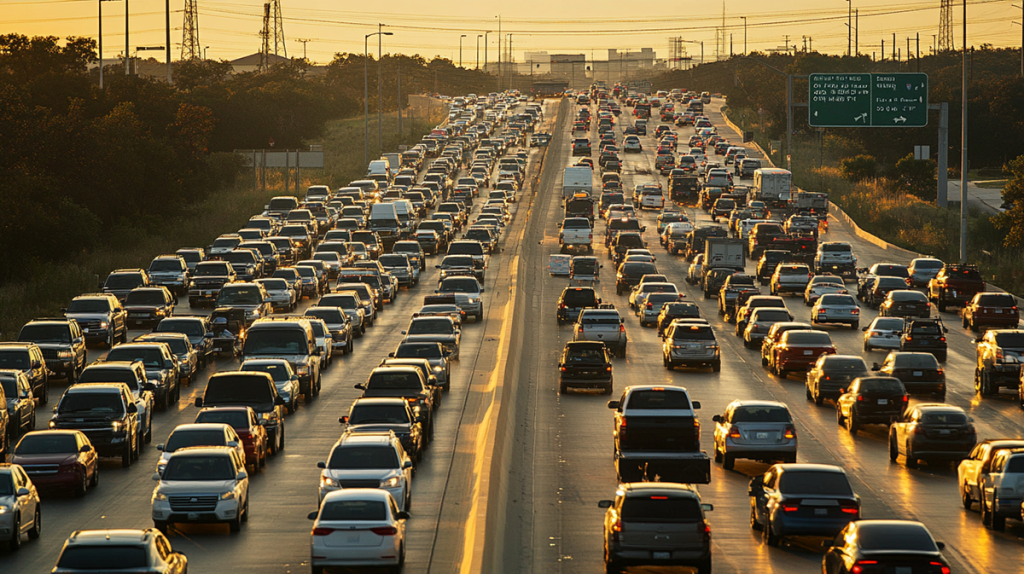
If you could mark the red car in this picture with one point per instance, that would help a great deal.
(61, 460)
(998, 310)
(246, 425)
(797, 350)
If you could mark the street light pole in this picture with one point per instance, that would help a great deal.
(366, 94)
(849, 27)
(127, 49)
(380, 82)
(460, 49)
(964, 167)
(167, 31)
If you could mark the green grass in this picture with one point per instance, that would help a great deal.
(48, 286)
(992, 184)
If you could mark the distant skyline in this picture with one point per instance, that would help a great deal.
(230, 28)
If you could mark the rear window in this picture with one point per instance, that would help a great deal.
(807, 338)
(890, 282)
(103, 557)
(915, 361)
(847, 300)
(755, 414)
(1010, 339)
(354, 510)
(694, 332)
(925, 329)
(1015, 465)
(600, 319)
(577, 297)
(655, 399)
(815, 482)
(996, 300)
(845, 364)
(908, 296)
(836, 248)
(972, 274)
(638, 269)
(771, 315)
(661, 509)
(944, 418)
(383, 380)
(871, 385)
(892, 270)
(363, 457)
(903, 537)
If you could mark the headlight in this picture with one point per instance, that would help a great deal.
(302, 370)
(116, 425)
(64, 354)
(229, 495)
(438, 369)
(157, 495)
(271, 416)
(391, 482)
(104, 324)
(256, 313)
(328, 481)
(156, 382)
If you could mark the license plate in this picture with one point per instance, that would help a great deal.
(883, 401)
(662, 555)
(918, 373)
(904, 570)
(911, 306)
(762, 435)
(216, 349)
(207, 293)
(945, 431)
(808, 352)
(193, 516)
(138, 321)
(821, 512)
(999, 311)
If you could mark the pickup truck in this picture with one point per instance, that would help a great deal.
(955, 286)
(576, 234)
(837, 258)
(605, 325)
(762, 237)
(662, 438)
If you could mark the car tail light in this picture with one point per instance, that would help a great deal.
(850, 508)
(707, 531)
(918, 429)
(322, 531)
(943, 339)
(858, 567)
(860, 398)
(945, 569)
(909, 338)
(970, 430)
(790, 508)
(790, 432)
(940, 371)
(622, 328)
(581, 329)
(384, 530)
(878, 292)
(617, 526)
(561, 369)
(734, 432)
(855, 311)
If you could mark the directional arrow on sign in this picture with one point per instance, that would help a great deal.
(860, 118)
(815, 114)
(899, 119)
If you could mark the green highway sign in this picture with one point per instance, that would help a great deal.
(868, 100)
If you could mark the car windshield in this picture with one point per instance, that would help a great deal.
(190, 327)
(226, 242)
(658, 399)
(199, 468)
(363, 458)
(43, 333)
(274, 284)
(150, 356)
(393, 260)
(431, 326)
(96, 403)
(233, 418)
(123, 281)
(460, 285)
(363, 414)
(318, 329)
(184, 438)
(457, 261)
(895, 537)
(165, 265)
(47, 443)
(269, 341)
(103, 557)
(99, 374)
(215, 270)
(761, 414)
(915, 361)
(661, 509)
(89, 306)
(815, 482)
(145, 297)
(359, 510)
(413, 351)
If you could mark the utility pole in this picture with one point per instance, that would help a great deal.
(167, 39)
(460, 49)
(478, 36)
(856, 33)
(303, 41)
(744, 35)
(486, 32)
(964, 166)
(1021, 24)
(127, 50)
(894, 46)
(380, 89)
(883, 49)
(366, 92)
(917, 37)
(399, 78)
(849, 27)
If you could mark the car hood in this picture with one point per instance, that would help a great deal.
(171, 487)
(80, 317)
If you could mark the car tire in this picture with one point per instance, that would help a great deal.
(855, 325)
(965, 497)
(83, 486)
(997, 521)
(562, 388)
(716, 367)
(840, 419)
(728, 461)
(280, 440)
(718, 455)
(609, 388)
(15, 543)
(867, 348)
(45, 397)
(704, 566)
(754, 524)
(894, 452)
(911, 459)
(818, 399)
(37, 524)
(852, 425)
(986, 515)
(126, 456)
(769, 536)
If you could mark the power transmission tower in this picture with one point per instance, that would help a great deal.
(265, 36)
(190, 32)
(279, 45)
(946, 26)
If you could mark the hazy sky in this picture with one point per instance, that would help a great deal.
(230, 28)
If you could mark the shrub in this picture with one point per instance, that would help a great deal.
(858, 168)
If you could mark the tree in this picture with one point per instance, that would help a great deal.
(915, 176)
(1012, 220)
(858, 168)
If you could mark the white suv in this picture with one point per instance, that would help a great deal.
(202, 484)
(368, 460)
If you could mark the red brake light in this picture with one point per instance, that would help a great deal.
(790, 432)
(851, 510)
(384, 531)
(617, 526)
(659, 498)
(322, 531)
(787, 508)
(734, 432)
(860, 398)
(622, 328)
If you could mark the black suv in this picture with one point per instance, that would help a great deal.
(121, 281)
(207, 281)
(770, 259)
(573, 300)
(101, 317)
(62, 343)
(106, 412)
(28, 358)
(586, 364)
(925, 335)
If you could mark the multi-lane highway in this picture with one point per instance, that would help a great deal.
(558, 460)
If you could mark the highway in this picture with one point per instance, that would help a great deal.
(560, 465)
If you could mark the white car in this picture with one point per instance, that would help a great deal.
(632, 144)
(696, 269)
(282, 296)
(19, 501)
(201, 434)
(358, 527)
(836, 308)
(883, 333)
(368, 460)
(202, 484)
(816, 289)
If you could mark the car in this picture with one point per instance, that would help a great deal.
(434, 353)
(181, 347)
(906, 303)
(603, 324)
(999, 353)
(121, 281)
(585, 364)
(835, 308)
(201, 434)
(990, 310)
(823, 285)
(27, 358)
(285, 379)
(339, 327)
(282, 295)
(371, 459)
(213, 477)
(18, 407)
(878, 290)
(688, 345)
(758, 430)
(357, 527)
(920, 373)
(107, 411)
(932, 431)
(871, 546)
(801, 500)
(170, 271)
(101, 317)
(977, 463)
(798, 350)
(832, 374)
(676, 310)
(924, 269)
(22, 507)
(409, 382)
(755, 302)
(132, 374)
(394, 414)
(871, 400)
(161, 369)
(928, 335)
(59, 460)
(760, 323)
(115, 549)
(656, 524)
(255, 442)
(62, 343)
(883, 333)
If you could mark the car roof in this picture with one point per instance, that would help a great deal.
(380, 400)
(361, 438)
(111, 537)
(200, 426)
(357, 494)
(810, 467)
(647, 488)
(204, 451)
(939, 407)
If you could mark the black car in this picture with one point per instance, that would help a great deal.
(629, 275)
(920, 373)
(871, 400)
(905, 303)
(585, 364)
(881, 546)
(714, 279)
(573, 300)
(925, 335)
(672, 311)
(865, 281)
(831, 374)
(770, 259)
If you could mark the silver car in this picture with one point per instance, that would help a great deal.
(653, 303)
(691, 345)
(757, 430)
(198, 434)
(760, 322)
(883, 333)
(401, 268)
(283, 297)
(347, 301)
(836, 309)
(924, 269)
(22, 510)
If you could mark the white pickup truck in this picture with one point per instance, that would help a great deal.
(576, 234)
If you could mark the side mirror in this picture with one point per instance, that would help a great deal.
(695, 405)
(945, 330)
(756, 486)
(160, 447)
(392, 355)
(343, 420)
(321, 465)
(85, 448)
(318, 352)
(613, 405)
(876, 367)
(132, 409)
(156, 476)
(208, 335)
(407, 464)
(707, 507)
(717, 418)
(865, 329)
(37, 364)
(403, 332)
(313, 515)
(148, 386)
(604, 504)
(199, 402)
(360, 386)
(940, 545)
(242, 475)
(278, 401)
